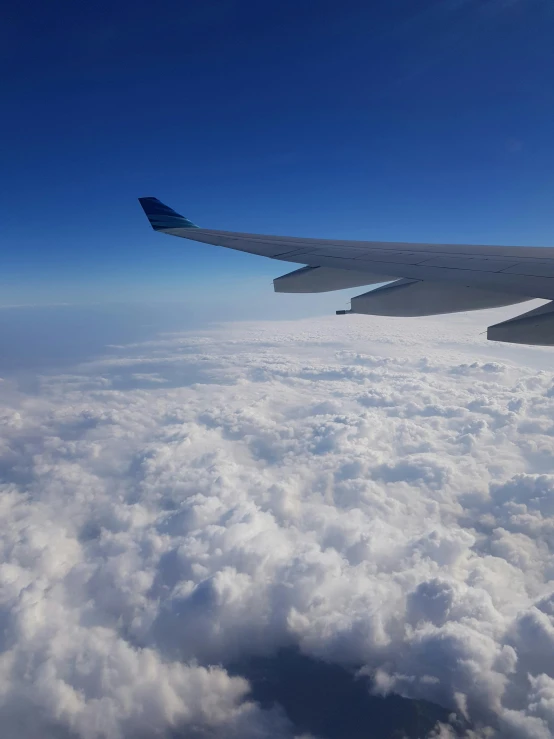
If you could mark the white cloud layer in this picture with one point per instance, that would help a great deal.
(377, 492)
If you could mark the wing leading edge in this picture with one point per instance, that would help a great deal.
(429, 279)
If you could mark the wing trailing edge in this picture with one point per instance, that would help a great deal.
(409, 298)
(535, 327)
(324, 279)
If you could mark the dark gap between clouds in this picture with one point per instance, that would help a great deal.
(330, 702)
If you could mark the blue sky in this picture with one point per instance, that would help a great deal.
(387, 120)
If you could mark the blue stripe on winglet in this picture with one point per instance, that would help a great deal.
(162, 217)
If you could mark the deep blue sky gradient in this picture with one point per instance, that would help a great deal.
(398, 119)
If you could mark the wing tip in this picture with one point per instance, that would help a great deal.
(162, 217)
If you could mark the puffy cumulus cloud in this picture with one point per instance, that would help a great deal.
(377, 493)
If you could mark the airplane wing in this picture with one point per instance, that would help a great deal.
(424, 279)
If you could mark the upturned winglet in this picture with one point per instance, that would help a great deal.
(162, 217)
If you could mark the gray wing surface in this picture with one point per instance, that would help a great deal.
(428, 279)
